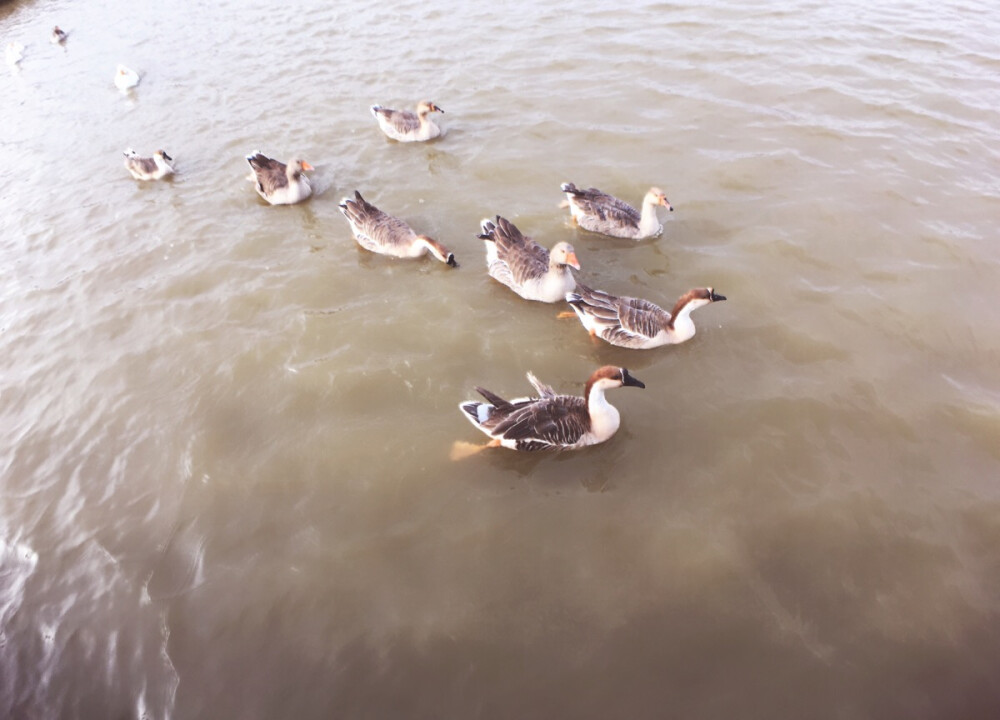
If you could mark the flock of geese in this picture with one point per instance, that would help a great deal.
(550, 420)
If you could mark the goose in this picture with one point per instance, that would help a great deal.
(526, 267)
(278, 183)
(599, 212)
(382, 233)
(58, 36)
(14, 53)
(549, 421)
(635, 323)
(152, 168)
(126, 79)
(406, 126)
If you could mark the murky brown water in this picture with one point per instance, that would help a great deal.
(226, 489)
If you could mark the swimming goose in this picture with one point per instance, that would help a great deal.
(58, 36)
(636, 323)
(382, 233)
(601, 213)
(551, 421)
(278, 183)
(14, 53)
(406, 126)
(126, 79)
(152, 168)
(525, 266)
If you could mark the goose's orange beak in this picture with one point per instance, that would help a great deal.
(307, 166)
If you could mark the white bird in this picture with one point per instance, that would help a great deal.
(526, 267)
(58, 36)
(14, 53)
(599, 212)
(153, 168)
(406, 126)
(126, 79)
(278, 183)
(550, 421)
(382, 233)
(635, 323)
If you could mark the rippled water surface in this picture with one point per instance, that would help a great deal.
(226, 486)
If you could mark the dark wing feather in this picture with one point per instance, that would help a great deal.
(606, 207)
(526, 259)
(374, 228)
(270, 173)
(641, 317)
(403, 121)
(556, 421)
(144, 165)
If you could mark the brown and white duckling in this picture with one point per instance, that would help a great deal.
(550, 421)
(602, 213)
(152, 168)
(58, 36)
(126, 79)
(635, 323)
(278, 183)
(406, 126)
(382, 233)
(526, 267)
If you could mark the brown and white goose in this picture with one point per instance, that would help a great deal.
(526, 267)
(635, 323)
(406, 126)
(153, 168)
(551, 421)
(278, 183)
(58, 36)
(602, 213)
(382, 233)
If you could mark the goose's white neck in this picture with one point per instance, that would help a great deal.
(428, 129)
(683, 324)
(604, 417)
(649, 224)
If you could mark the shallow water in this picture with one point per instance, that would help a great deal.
(226, 486)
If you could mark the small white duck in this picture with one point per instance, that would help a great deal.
(599, 212)
(153, 168)
(406, 126)
(382, 233)
(526, 267)
(58, 36)
(14, 53)
(635, 323)
(278, 183)
(126, 79)
(550, 421)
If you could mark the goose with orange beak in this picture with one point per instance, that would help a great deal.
(278, 183)
(526, 267)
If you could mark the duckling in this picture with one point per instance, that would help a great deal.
(406, 126)
(602, 213)
(526, 267)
